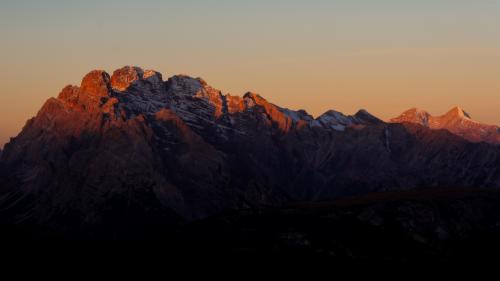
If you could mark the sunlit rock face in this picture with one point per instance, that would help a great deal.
(456, 121)
(96, 84)
(145, 80)
(125, 77)
(181, 148)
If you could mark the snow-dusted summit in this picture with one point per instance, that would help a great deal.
(456, 120)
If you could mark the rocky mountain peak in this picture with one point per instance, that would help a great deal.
(254, 99)
(122, 78)
(185, 85)
(416, 111)
(335, 120)
(413, 115)
(456, 121)
(367, 118)
(96, 83)
(457, 113)
(125, 77)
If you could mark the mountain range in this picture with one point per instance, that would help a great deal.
(129, 151)
(456, 121)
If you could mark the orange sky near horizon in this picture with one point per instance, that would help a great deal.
(313, 55)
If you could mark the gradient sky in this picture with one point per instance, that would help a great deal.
(382, 55)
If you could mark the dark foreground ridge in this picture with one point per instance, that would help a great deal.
(426, 227)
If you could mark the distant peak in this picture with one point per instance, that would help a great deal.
(457, 121)
(415, 110)
(457, 112)
(413, 115)
(367, 117)
(332, 112)
(362, 112)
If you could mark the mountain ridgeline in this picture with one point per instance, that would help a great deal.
(147, 151)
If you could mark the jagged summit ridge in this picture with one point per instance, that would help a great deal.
(131, 91)
(335, 120)
(416, 115)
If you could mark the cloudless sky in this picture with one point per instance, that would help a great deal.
(382, 55)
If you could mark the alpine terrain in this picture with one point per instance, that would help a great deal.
(133, 156)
